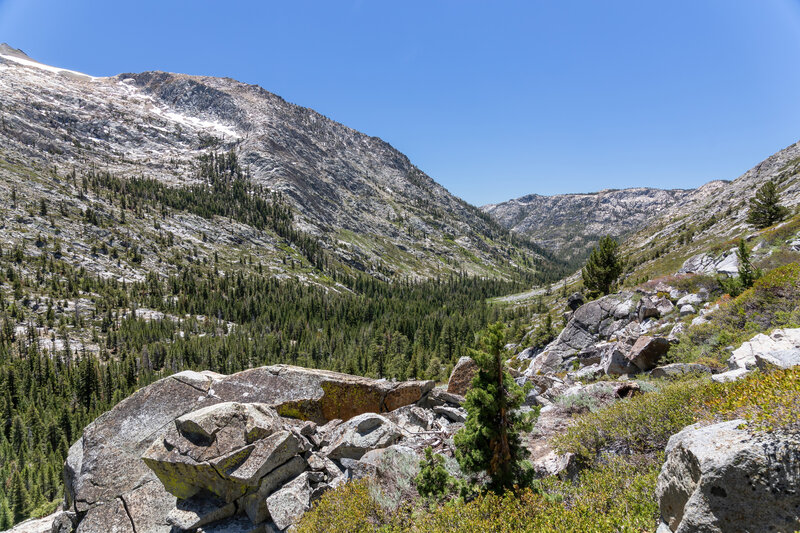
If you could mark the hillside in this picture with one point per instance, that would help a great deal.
(571, 224)
(357, 198)
(153, 223)
(710, 220)
(221, 312)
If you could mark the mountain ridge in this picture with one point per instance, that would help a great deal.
(338, 181)
(570, 224)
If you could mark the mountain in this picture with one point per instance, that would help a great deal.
(695, 234)
(571, 224)
(650, 222)
(710, 219)
(152, 223)
(356, 200)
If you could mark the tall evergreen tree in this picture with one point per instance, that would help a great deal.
(765, 209)
(6, 516)
(490, 439)
(747, 272)
(603, 267)
(20, 499)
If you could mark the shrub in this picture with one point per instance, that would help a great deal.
(639, 425)
(643, 425)
(769, 400)
(695, 282)
(772, 302)
(350, 508)
(433, 479)
(578, 403)
(615, 496)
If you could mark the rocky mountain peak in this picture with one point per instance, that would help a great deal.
(8, 50)
(362, 199)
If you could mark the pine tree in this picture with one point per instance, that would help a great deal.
(747, 273)
(6, 516)
(490, 439)
(765, 209)
(20, 499)
(433, 479)
(603, 267)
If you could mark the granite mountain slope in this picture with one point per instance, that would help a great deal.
(360, 198)
(651, 223)
(705, 226)
(571, 224)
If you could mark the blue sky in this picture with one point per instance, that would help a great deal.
(493, 99)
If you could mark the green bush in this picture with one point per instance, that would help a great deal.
(772, 302)
(639, 425)
(615, 496)
(769, 400)
(643, 424)
(350, 508)
(433, 479)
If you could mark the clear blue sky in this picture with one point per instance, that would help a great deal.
(493, 99)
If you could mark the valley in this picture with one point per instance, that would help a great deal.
(192, 268)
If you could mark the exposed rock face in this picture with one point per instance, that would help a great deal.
(290, 502)
(591, 323)
(461, 377)
(779, 358)
(39, 525)
(574, 301)
(365, 432)
(726, 263)
(647, 351)
(778, 340)
(200, 437)
(572, 223)
(615, 360)
(225, 448)
(337, 180)
(731, 375)
(721, 478)
(606, 332)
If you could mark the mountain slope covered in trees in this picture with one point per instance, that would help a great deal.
(157, 222)
(357, 197)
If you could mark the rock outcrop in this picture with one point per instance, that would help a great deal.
(609, 332)
(722, 478)
(590, 323)
(726, 263)
(647, 351)
(779, 340)
(196, 447)
(461, 377)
